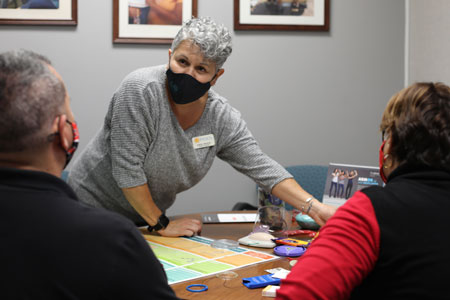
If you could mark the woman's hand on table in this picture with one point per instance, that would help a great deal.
(322, 212)
(182, 227)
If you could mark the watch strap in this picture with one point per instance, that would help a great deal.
(162, 223)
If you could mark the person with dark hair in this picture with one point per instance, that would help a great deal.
(138, 11)
(390, 242)
(41, 4)
(52, 246)
(267, 7)
(296, 8)
(4, 3)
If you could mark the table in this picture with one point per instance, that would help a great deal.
(228, 289)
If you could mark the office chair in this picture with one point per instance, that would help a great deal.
(312, 178)
(244, 206)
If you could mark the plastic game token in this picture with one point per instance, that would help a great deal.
(203, 287)
(291, 242)
(224, 244)
(258, 239)
(289, 250)
(227, 275)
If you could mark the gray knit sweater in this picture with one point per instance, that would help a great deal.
(141, 142)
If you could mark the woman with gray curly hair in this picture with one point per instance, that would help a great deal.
(163, 130)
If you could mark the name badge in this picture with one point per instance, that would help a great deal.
(203, 141)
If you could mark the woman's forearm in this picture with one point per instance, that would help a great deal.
(291, 192)
(142, 201)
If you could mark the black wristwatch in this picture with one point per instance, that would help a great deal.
(163, 221)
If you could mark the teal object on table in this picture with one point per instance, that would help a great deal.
(306, 222)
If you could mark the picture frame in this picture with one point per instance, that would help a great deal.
(42, 12)
(291, 15)
(135, 23)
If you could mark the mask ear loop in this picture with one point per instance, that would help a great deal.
(213, 77)
(51, 136)
(386, 156)
(381, 161)
(75, 141)
(76, 137)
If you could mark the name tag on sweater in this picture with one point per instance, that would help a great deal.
(203, 141)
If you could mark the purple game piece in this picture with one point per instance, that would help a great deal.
(285, 250)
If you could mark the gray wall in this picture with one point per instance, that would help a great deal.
(429, 41)
(308, 97)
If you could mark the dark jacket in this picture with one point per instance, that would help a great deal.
(413, 213)
(53, 247)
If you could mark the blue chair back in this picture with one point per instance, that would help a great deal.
(312, 178)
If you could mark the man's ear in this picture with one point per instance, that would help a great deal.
(64, 132)
(218, 74)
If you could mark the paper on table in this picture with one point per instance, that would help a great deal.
(237, 217)
(228, 218)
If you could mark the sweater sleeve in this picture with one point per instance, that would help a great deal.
(340, 258)
(131, 133)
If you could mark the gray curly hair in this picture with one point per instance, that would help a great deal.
(213, 40)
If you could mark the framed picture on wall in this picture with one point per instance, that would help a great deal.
(306, 15)
(150, 21)
(38, 12)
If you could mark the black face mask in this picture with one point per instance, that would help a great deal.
(184, 88)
